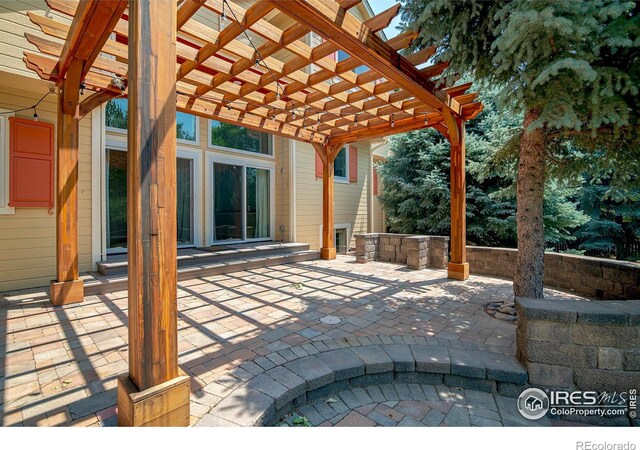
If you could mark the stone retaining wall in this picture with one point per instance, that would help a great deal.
(418, 252)
(580, 345)
(594, 277)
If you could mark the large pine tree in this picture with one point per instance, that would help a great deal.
(571, 67)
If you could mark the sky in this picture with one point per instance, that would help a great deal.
(381, 5)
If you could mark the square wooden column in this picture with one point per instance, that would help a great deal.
(155, 392)
(458, 267)
(67, 288)
(328, 155)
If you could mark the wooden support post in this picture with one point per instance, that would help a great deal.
(156, 392)
(328, 155)
(458, 266)
(67, 288)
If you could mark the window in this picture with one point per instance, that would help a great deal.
(116, 114)
(116, 117)
(238, 138)
(340, 165)
(341, 240)
(187, 128)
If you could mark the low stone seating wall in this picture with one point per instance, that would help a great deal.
(594, 277)
(580, 344)
(417, 252)
(266, 394)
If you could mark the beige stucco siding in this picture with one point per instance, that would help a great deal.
(351, 199)
(27, 237)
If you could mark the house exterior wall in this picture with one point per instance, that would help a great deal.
(351, 199)
(27, 235)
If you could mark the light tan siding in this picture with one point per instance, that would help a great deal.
(350, 198)
(27, 237)
(281, 150)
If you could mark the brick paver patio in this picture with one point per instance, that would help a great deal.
(60, 365)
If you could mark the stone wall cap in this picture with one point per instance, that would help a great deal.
(625, 312)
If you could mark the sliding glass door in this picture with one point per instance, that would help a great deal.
(241, 203)
(116, 201)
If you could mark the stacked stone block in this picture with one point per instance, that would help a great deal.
(438, 252)
(418, 252)
(579, 344)
(367, 247)
(594, 277)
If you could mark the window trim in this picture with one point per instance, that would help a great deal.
(4, 163)
(345, 179)
(237, 150)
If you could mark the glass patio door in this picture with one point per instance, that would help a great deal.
(116, 201)
(241, 203)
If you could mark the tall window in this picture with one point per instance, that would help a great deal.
(116, 117)
(239, 138)
(340, 164)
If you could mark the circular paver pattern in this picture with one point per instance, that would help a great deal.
(410, 405)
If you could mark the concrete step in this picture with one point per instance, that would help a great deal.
(117, 264)
(97, 283)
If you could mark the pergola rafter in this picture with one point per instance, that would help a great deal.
(217, 70)
(251, 72)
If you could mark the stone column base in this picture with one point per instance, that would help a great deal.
(458, 271)
(328, 253)
(164, 405)
(65, 292)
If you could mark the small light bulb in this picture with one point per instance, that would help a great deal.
(355, 120)
(426, 120)
(277, 95)
(257, 61)
(35, 115)
(393, 122)
(223, 17)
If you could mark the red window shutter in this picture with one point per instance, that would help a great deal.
(375, 181)
(319, 166)
(31, 163)
(353, 164)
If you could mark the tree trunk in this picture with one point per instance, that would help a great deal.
(528, 279)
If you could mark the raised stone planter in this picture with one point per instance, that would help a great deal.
(418, 252)
(593, 277)
(580, 344)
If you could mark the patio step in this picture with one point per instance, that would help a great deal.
(97, 283)
(117, 264)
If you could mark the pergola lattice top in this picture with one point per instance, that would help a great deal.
(260, 75)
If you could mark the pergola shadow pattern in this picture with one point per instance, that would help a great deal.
(60, 365)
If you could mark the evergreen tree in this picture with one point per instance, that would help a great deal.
(615, 219)
(416, 193)
(571, 67)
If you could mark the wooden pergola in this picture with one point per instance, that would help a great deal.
(251, 71)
